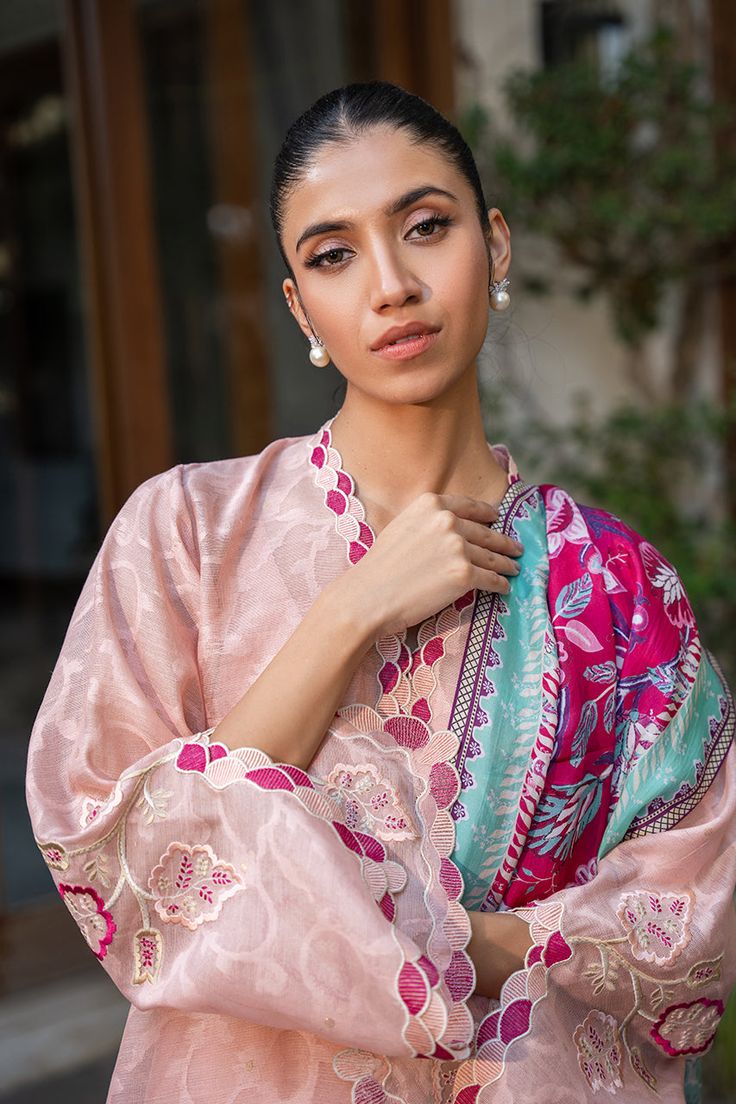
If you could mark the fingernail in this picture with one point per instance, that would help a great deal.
(519, 545)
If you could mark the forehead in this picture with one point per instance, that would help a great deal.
(356, 180)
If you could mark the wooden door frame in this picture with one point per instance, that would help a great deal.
(113, 185)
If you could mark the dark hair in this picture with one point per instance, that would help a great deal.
(342, 114)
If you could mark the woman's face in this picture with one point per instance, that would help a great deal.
(387, 268)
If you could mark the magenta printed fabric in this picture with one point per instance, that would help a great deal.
(300, 936)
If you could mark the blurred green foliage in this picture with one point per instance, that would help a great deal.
(630, 175)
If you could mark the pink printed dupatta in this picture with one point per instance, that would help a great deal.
(620, 655)
(314, 923)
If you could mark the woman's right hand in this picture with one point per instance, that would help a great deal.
(436, 549)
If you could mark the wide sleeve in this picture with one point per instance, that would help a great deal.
(207, 879)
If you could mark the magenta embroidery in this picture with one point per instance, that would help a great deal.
(55, 856)
(383, 876)
(88, 909)
(657, 924)
(148, 949)
(688, 1028)
(599, 1051)
(512, 1018)
(196, 757)
(369, 801)
(340, 497)
(190, 884)
(92, 808)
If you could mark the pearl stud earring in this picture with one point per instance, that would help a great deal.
(318, 354)
(498, 296)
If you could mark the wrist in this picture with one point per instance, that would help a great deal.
(353, 607)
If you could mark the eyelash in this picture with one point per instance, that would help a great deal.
(314, 260)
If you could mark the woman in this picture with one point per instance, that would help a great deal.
(335, 775)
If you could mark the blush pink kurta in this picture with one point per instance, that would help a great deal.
(284, 936)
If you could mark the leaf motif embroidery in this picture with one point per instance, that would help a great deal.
(148, 949)
(97, 869)
(154, 805)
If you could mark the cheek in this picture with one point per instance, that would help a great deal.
(340, 304)
(459, 280)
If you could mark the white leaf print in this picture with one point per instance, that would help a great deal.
(578, 633)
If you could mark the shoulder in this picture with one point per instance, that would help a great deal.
(644, 588)
(189, 496)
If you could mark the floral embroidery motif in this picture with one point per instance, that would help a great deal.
(657, 924)
(92, 807)
(54, 855)
(369, 801)
(599, 1051)
(88, 909)
(190, 884)
(223, 768)
(657, 930)
(688, 1028)
(148, 950)
(703, 973)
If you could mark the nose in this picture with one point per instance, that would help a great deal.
(393, 283)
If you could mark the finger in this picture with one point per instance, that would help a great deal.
(476, 533)
(463, 506)
(492, 561)
(485, 579)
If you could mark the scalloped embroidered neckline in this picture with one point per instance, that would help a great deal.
(341, 497)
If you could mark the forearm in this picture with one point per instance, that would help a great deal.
(287, 710)
(498, 947)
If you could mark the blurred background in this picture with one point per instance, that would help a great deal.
(142, 322)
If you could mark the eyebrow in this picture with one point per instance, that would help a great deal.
(392, 208)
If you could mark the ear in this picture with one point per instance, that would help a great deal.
(294, 304)
(498, 239)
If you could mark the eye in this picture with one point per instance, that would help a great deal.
(315, 261)
(331, 258)
(433, 221)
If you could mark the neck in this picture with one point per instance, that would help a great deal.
(396, 451)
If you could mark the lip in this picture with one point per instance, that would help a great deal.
(407, 349)
(402, 331)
